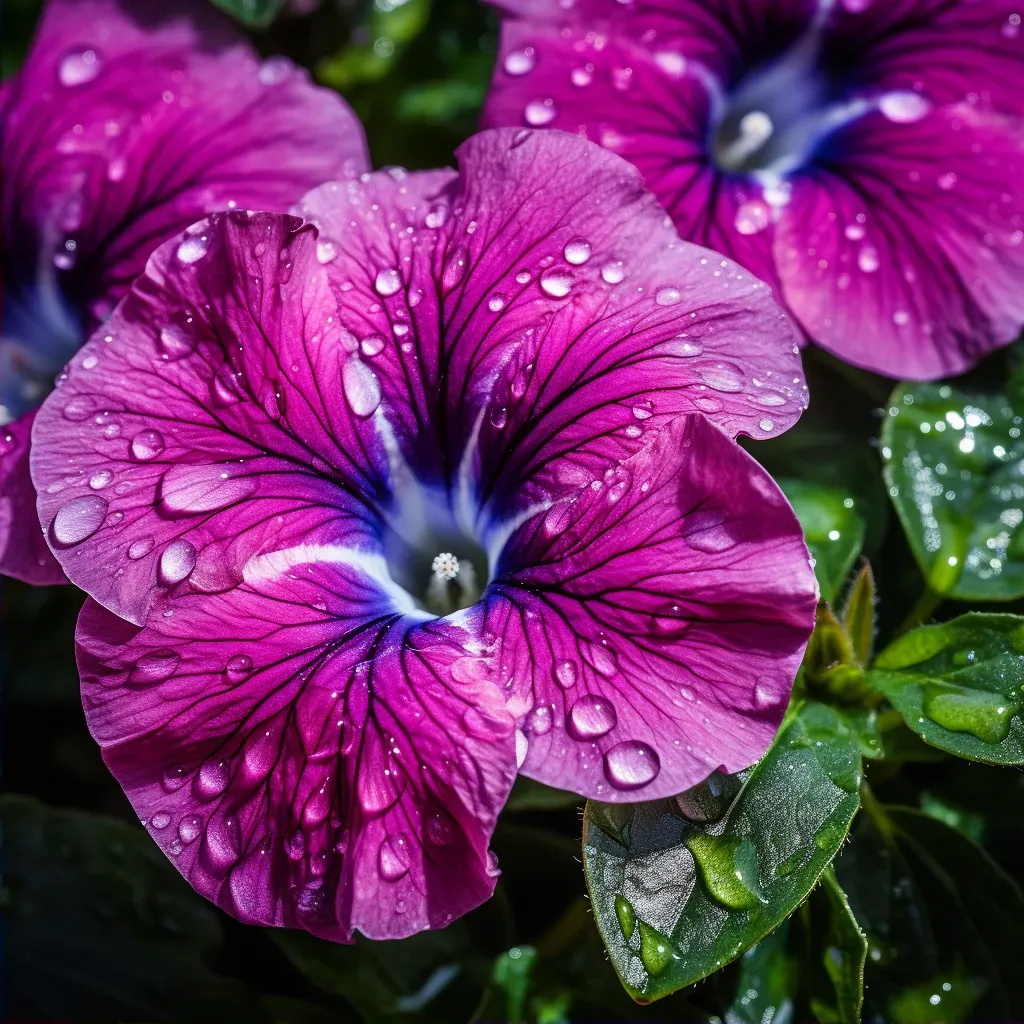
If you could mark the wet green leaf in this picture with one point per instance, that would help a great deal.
(952, 462)
(960, 685)
(254, 13)
(833, 528)
(936, 909)
(845, 953)
(99, 926)
(676, 899)
(765, 982)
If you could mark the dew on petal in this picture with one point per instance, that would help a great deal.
(140, 548)
(326, 250)
(388, 282)
(79, 408)
(752, 217)
(190, 828)
(101, 479)
(722, 377)
(631, 764)
(867, 259)
(591, 716)
(147, 444)
(668, 296)
(361, 387)
(213, 778)
(520, 62)
(193, 249)
(79, 68)
(177, 561)
(372, 346)
(154, 667)
(555, 283)
(440, 829)
(613, 273)
(904, 107)
(540, 112)
(160, 820)
(78, 520)
(393, 857)
(577, 252)
(238, 667)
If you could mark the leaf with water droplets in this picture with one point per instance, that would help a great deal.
(833, 528)
(953, 464)
(704, 891)
(960, 685)
(765, 983)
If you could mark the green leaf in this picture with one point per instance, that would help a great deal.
(845, 954)
(676, 899)
(972, 825)
(380, 979)
(960, 685)
(99, 925)
(833, 528)
(951, 462)
(937, 911)
(512, 975)
(764, 985)
(254, 13)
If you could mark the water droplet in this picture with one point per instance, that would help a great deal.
(238, 667)
(388, 282)
(668, 296)
(728, 867)
(189, 828)
(174, 777)
(294, 845)
(614, 272)
(631, 764)
(684, 347)
(78, 520)
(577, 252)
(361, 387)
(496, 303)
(326, 250)
(394, 857)
(582, 76)
(154, 667)
(160, 820)
(197, 489)
(455, 269)
(539, 721)
(566, 674)
(591, 716)
(722, 377)
(79, 68)
(193, 248)
(867, 259)
(101, 479)
(175, 343)
(213, 778)
(147, 444)
(555, 283)
(767, 425)
(627, 916)
(984, 714)
(904, 107)
(520, 62)
(656, 950)
(177, 561)
(140, 548)
(499, 417)
(540, 112)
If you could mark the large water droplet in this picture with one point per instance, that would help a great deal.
(147, 444)
(627, 916)
(540, 112)
(394, 857)
(631, 764)
(213, 778)
(140, 548)
(668, 296)
(101, 479)
(175, 343)
(177, 561)
(904, 107)
(538, 722)
(78, 520)
(520, 62)
(591, 716)
(193, 248)
(867, 259)
(361, 386)
(189, 828)
(238, 667)
(981, 713)
(440, 828)
(79, 408)
(577, 252)
(656, 950)
(154, 667)
(752, 217)
(79, 68)
(722, 377)
(555, 283)
(614, 272)
(388, 282)
(728, 867)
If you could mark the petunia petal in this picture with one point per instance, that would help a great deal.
(303, 756)
(904, 250)
(24, 554)
(205, 422)
(648, 630)
(554, 335)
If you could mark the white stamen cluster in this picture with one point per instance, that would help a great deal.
(445, 566)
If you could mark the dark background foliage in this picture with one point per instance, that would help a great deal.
(99, 927)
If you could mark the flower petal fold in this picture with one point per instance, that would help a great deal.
(303, 756)
(649, 629)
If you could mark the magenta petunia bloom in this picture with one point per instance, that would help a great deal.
(129, 121)
(864, 157)
(434, 483)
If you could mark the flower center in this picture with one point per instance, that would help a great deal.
(778, 116)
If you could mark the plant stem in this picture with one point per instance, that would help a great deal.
(925, 608)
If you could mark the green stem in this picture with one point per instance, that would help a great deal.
(925, 608)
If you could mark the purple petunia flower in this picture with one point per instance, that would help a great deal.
(129, 121)
(432, 485)
(864, 157)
